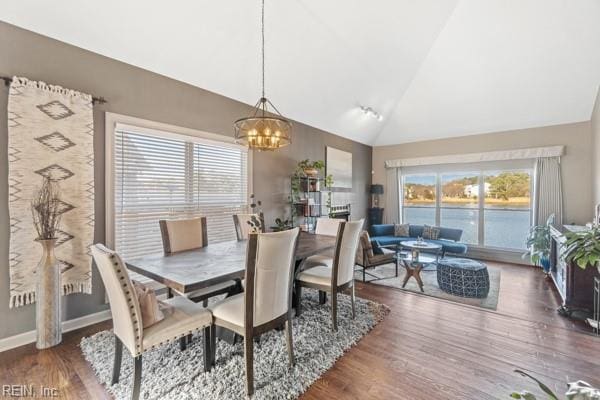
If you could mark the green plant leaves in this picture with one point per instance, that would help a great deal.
(542, 386)
(583, 248)
(523, 395)
(538, 243)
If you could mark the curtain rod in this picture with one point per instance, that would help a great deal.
(99, 100)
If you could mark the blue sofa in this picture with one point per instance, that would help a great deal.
(382, 235)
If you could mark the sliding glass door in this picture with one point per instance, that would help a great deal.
(492, 207)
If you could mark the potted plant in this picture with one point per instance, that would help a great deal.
(310, 168)
(281, 225)
(583, 248)
(46, 209)
(538, 243)
(578, 390)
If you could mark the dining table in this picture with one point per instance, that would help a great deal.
(188, 271)
(191, 270)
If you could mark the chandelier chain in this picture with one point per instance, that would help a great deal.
(263, 46)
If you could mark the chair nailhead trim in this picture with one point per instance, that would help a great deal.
(138, 331)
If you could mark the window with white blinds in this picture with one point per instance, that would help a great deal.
(174, 176)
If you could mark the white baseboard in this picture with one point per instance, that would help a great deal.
(29, 337)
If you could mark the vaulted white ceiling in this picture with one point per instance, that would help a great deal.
(431, 68)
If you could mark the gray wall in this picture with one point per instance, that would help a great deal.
(140, 93)
(576, 171)
(596, 149)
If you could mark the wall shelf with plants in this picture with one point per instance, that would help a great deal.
(306, 199)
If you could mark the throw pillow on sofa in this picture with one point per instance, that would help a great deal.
(431, 232)
(401, 230)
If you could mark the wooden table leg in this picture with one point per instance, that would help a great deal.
(413, 271)
(417, 275)
(408, 272)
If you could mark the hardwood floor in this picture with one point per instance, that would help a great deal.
(426, 348)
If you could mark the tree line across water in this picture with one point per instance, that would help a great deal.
(503, 187)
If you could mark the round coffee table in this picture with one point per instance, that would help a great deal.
(415, 262)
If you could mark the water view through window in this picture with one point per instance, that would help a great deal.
(492, 208)
(507, 208)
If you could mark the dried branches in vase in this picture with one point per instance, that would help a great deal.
(46, 210)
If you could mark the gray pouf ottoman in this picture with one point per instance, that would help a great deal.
(463, 277)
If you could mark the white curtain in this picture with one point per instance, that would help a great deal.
(548, 190)
(391, 205)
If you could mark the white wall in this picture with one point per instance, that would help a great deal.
(596, 149)
(576, 163)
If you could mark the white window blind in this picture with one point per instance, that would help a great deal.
(174, 176)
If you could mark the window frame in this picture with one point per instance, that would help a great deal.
(481, 170)
(152, 128)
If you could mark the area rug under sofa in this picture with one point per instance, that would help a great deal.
(169, 373)
(430, 287)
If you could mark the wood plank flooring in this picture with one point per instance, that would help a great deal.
(426, 348)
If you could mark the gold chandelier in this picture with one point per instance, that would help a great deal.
(264, 130)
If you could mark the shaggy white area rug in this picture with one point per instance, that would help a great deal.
(169, 373)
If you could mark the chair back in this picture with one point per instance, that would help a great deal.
(328, 226)
(269, 275)
(183, 234)
(242, 226)
(124, 305)
(364, 251)
(344, 257)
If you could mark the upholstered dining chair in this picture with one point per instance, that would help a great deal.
(266, 303)
(242, 226)
(184, 317)
(190, 234)
(339, 275)
(328, 227)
